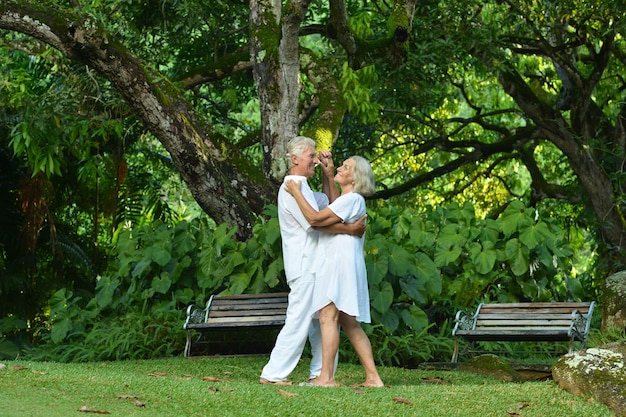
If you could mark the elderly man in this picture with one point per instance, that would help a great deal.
(299, 241)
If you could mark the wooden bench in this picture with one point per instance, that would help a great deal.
(538, 322)
(236, 312)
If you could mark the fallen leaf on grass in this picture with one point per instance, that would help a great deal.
(435, 380)
(216, 389)
(157, 374)
(18, 367)
(38, 372)
(401, 400)
(519, 406)
(287, 393)
(212, 379)
(86, 409)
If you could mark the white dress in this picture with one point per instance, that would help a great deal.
(342, 278)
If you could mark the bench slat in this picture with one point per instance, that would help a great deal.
(522, 323)
(557, 304)
(505, 316)
(246, 307)
(510, 336)
(248, 313)
(485, 310)
(238, 322)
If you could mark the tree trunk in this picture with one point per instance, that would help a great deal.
(223, 183)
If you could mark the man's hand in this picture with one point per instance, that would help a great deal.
(358, 227)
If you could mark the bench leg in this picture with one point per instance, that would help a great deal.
(455, 355)
(188, 344)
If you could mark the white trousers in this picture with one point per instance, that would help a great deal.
(292, 337)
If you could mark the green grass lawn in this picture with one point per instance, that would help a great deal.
(229, 387)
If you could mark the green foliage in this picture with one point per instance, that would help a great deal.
(155, 271)
(421, 268)
(405, 350)
(598, 338)
(447, 253)
(137, 334)
(9, 348)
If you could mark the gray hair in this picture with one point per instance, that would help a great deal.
(297, 146)
(363, 176)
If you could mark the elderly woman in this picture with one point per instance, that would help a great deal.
(341, 293)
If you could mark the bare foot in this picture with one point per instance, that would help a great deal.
(322, 383)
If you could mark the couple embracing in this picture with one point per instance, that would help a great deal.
(322, 240)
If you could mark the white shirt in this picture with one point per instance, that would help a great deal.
(299, 239)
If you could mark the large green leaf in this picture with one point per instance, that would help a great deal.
(484, 256)
(428, 273)
(239, 282)
(105, 290)
(60, 329)
(381, 296)
(8, 349)
(140, 267)
(414, 288)
(514, 218)
(415, 318)
(446, 254)
(533, 234)
(376, 260)
(389, 319)
(273, 273)
(518, 256)
(161, 254)
(421, 237)
(490, 231)
(451, 235)
(401, 261)
(162, 283)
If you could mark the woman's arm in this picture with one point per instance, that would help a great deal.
(357, 228)
(328, 179)
(324, 217)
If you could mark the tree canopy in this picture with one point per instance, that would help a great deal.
(493, 100)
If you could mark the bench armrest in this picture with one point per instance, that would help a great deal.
(464, 321)
(196, 315)
(581, 323)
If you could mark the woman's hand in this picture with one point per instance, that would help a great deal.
(292, 186)
(326, 161)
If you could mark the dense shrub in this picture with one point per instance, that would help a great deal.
(421, 268)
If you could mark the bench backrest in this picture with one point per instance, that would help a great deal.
(247, 309)
(540, 316)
